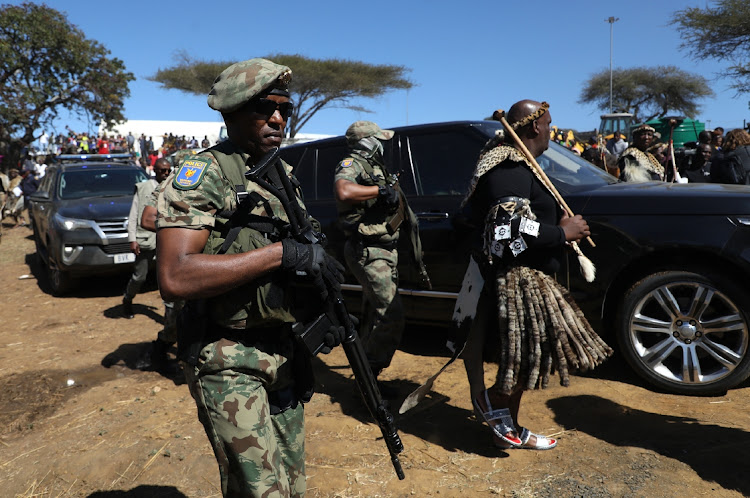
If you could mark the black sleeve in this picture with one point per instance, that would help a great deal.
(516, 180)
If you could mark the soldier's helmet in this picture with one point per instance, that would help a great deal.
(363, 129)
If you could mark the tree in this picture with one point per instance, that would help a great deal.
(316, 83)
(647, 91)
(47, 65)
(721, 32)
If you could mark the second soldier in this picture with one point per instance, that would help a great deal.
(373, 213)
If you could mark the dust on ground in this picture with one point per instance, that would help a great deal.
(77, 418)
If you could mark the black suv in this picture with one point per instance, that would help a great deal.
(671, 258)
(79, 216)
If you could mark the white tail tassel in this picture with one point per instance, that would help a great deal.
(588, 270)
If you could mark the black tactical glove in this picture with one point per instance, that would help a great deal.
(333, 338)
(388, 195)
(311, 262)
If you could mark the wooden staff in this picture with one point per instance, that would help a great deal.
(676, 174)
(499, 115)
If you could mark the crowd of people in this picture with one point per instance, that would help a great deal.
(713, 158)
(18, 185)
(23, 180)
(141, 148)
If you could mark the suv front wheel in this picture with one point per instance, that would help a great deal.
(686, 332)
(60, 282)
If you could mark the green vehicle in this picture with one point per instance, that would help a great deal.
(686, 130)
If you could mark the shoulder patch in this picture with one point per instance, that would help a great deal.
(346, 163)
(191, 173)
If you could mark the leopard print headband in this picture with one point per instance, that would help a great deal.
(531, 117)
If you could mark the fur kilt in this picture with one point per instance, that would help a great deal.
(541, 330)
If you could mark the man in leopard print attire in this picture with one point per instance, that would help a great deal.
(637, 164)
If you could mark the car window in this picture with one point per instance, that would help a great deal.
(443, 161)
(397, 160)
(573, 172)
(46, 183)
(97, 183)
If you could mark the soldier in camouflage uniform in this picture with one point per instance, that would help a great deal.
(371, 210)
(245, 372)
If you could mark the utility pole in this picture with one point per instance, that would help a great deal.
(611, 21)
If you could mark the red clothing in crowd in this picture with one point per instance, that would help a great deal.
(102, 146)
(152, 157)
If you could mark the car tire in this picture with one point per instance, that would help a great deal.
(686, 332)
(60, 282)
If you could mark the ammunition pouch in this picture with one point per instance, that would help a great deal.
(393, 223)
(312, 335)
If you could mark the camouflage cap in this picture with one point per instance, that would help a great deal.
(363, 129)
(244, 80)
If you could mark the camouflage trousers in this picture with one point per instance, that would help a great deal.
(259, 454)
(382, 324)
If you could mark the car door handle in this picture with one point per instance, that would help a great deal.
(433, 216)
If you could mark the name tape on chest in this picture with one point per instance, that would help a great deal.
(191, 173)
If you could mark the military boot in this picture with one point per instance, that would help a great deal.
(159, 354)
(160, 361)
(127, 307)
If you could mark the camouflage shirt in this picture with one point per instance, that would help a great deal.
(198, 207)
(263, 302)
(368, 215)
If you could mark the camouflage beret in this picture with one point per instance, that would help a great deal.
(244, 80)
(363, 129)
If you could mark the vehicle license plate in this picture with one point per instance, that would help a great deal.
(124, 258)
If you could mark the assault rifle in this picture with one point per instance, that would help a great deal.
(312, 335)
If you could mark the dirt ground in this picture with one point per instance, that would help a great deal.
(78, 419)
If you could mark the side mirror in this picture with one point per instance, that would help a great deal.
(39, 196)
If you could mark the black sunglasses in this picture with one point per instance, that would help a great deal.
(267, 107)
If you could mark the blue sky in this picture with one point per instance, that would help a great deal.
(467, 58)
